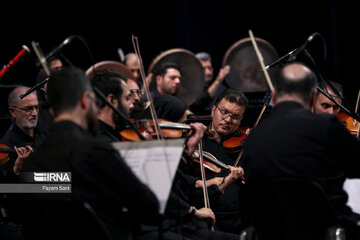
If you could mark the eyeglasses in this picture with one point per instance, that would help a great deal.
(28, 109)
(225, 114)
(136, 91)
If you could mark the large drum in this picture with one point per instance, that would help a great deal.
(109, 65)
(245, 70)
(192, 77)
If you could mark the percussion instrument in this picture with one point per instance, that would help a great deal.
(246, 73)
(192, 73)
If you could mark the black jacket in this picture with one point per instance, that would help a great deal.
(295, 143)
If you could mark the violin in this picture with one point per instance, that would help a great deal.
(212, 165)
(4, 153)
(234, 144)
(349, 122)
(146, 129)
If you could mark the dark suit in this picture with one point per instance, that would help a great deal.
(295, 143)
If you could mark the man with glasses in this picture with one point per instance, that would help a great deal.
(25, 136)
(135, 95)
(226, 116)
(24, 130)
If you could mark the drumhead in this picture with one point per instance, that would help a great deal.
(246, 73)
(109, 65)
(192, 73)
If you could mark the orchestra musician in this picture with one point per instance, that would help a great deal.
(25, 135)
(213, 87)
(323, 104)
(182, 220)
(114, 88)
(167, 79)
(71, 146)
(100, 176)
(136, 94)
(311, 146)
(131, 61)
(24, 130)
(226, 115)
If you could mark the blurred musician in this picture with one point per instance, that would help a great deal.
(213, 87)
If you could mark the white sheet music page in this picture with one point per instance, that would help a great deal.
(154, 163)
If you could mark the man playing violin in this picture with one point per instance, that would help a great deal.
(24, 135)
(114, 88)
(322, 104)
(226, 115)
(135, 93)
(182, 220)
(24, 130)
(100, 176)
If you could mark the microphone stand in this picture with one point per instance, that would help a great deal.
(122, 115)
(34, 88)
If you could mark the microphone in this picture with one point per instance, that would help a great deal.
(34, 88)
(13, 61)
(58, 48)
(267, 67)
(302, 47)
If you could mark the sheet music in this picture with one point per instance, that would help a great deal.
(154, 163)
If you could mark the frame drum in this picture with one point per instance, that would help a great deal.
(246, 73)
(109, 65)
(192, 73)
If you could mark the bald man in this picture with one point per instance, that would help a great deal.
(294, 143)
(131, 61)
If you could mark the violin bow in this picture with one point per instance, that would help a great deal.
(146, 87)
(267, 77)
(203, 178)
(261, 60)
(41, 57)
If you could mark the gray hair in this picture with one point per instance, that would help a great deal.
(14, 95)
(203, 56)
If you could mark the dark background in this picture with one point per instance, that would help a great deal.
(211, 26)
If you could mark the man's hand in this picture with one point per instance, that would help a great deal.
(22, 152)
(210, 182)
(195, 135)
(235, 173)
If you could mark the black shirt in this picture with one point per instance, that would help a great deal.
(17, 137)
(107, 133)
(99, 175)
(226, 206)
(295, 143)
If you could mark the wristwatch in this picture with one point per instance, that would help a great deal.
(193, 210)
